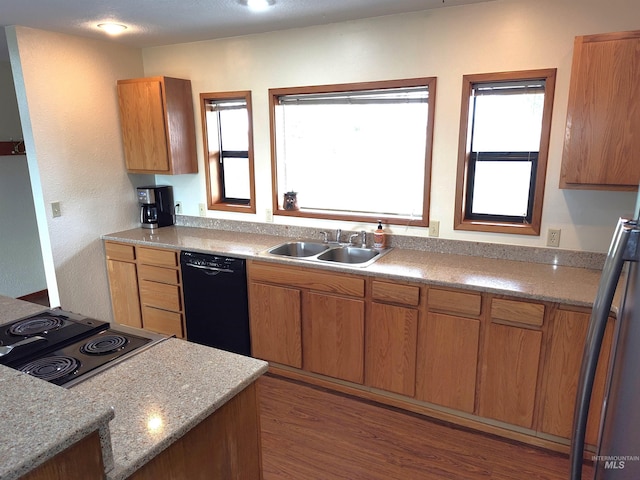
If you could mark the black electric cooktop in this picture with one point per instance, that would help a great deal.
(70, 347)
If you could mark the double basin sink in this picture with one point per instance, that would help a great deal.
(328, 252)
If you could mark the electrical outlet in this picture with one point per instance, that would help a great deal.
(268, 215)
(55, 209)
(178, 207)
(202, 209)
(553, 237)
(434, 228)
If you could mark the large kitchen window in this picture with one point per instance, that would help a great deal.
(504, 139)
(228, 146)
(357, 152)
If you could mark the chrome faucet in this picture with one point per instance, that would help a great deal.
(325, 237)
(352, 238)
(338, 233)
(363, 238)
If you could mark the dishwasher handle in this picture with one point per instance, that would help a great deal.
(208, 270)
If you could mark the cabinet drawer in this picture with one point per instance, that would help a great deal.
(118, 251)
(456, 302)
(154, 256)
(158, 274)
(517, 312)
(392, 292)
(308, 278)
(160, 295)
(162, 321)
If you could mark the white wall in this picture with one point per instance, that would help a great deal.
(447, 43)
(21, 268)
(66, 89)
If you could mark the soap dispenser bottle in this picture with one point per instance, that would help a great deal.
(379, 237)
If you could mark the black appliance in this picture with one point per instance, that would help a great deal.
(215, 301)
(70, 347)
(156, 206)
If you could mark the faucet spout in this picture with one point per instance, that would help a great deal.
(338, 233)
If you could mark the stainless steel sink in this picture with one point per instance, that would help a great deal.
(349, 255)
(299, 249)
(320, 252)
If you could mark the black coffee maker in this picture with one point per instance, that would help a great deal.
(156, 206)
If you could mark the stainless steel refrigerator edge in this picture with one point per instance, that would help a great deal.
(618, 453)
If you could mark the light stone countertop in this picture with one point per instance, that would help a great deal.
(157, 396)
(535, 281)
(40, 419)
(162, 393)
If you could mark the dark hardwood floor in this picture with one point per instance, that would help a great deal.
(41, 298)
(309, 433)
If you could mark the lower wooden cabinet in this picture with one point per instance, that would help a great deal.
(275, 323)
(123, 284)
(561, 375)
(390, 356)
(146, 290)
(448, 361)
(509, 377)
(503, 365)
(83, 460)
(333, 337)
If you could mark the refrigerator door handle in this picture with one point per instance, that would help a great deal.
(621, 249)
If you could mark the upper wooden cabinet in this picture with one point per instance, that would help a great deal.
(601, 139)
(158, 126)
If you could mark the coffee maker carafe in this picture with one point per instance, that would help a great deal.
(156, 206)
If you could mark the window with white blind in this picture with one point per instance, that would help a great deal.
(357, 152)
(228, 144)
(504, 137)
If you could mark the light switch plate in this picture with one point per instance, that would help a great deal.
(434, 228)
(55, 209)
(202, 209)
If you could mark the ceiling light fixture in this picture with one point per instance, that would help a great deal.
(258, 5)
(112, 28)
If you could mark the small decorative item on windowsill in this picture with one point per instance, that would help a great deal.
(291, 201)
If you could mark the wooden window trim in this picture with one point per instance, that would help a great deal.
(274, 93)
(213, 184)
(460, 222)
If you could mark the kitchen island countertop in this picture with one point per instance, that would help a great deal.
(157, 396)
(41, 419)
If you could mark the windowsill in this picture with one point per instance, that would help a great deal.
(497, 227)
(232, 207)
(367, 218)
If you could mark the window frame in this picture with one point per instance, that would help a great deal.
(215, 183)
(486, 223)
(274, 93)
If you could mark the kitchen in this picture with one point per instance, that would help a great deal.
(76, 156)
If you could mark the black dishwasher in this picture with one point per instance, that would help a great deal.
(215, 301)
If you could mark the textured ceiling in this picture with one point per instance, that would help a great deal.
(165, 22)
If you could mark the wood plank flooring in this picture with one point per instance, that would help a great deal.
(309, 433)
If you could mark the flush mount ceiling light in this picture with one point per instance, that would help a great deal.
(112, 28)
(257, 5)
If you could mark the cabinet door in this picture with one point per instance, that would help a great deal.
(390, 356)
(511, 357)
(143, 125)
(333, 337)
(601, 139)
(123, 283)
(275, 324)
(448, 361)
(561, 376)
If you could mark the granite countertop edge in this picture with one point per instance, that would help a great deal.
(58, 438)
